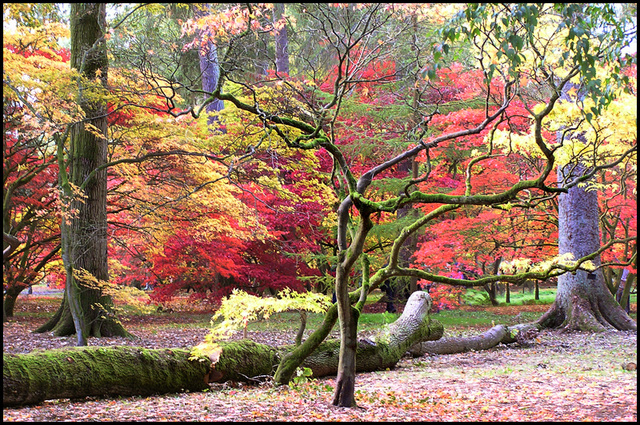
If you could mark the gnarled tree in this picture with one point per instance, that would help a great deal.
(510, 44)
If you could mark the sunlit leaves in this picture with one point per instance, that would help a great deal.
(240, 308)
(135, 299)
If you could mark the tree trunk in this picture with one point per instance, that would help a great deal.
(98, 371)
(491, 290)
(85, 311)
(623, 295)
(16, 283)
(9, 244)
(583, 301)
(292, 360)
(491, 338)
(210, 71)
(107, 371)
(344, 395)
(282, 41)
(348, 315)
(10, 297)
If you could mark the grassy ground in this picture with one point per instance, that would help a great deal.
(517, 297)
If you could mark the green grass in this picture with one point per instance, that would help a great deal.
(290, 321)
(479, 297)
(467, 319)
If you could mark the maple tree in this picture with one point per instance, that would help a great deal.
(48, 94)
(30, 201)
(248, 254)
(28, 206)
(125, 127)
(238, 246)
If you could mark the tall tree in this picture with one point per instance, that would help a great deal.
(583, 301)
(209, 67)
(282, 40)
(86, 310)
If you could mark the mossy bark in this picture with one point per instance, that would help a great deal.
(98, 371)
(85, 310)
(77, 372)
(293, 359)
(244, 360)
(104, 371)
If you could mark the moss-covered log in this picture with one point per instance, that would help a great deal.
(98, 371)
(121, 370)
(106, 371)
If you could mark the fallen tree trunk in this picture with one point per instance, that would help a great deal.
(452, 345)
(106, 371)
(98, 371)
(499, 334)
(385, 349)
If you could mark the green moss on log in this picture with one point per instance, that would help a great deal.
(99, 371)
(105, 371)
(244, 360)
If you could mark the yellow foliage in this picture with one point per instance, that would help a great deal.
(45, 85)
(606, 136)
(240, 308)
(132, 297)
(521, 265)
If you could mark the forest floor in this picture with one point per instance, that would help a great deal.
(556, 377)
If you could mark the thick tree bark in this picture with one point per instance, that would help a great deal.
(210, 70)
(282, 41)
(452, 345)
(583, 301)
(85, 311)
(103, 371)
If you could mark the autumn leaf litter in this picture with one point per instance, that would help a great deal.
(557, 377)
